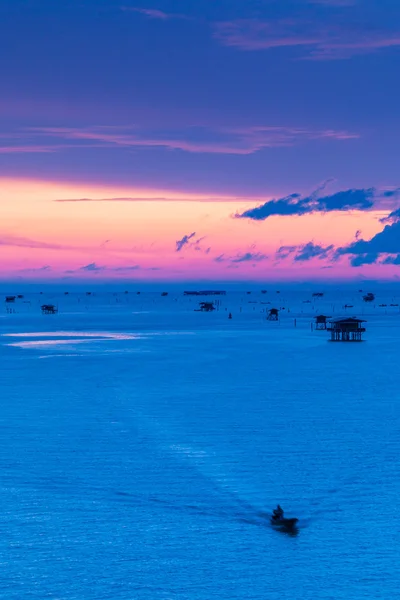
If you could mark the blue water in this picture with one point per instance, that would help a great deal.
(141, 465)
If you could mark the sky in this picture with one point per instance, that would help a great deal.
(220, 140)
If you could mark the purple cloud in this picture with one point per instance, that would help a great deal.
(180, 244)
(318, 39)
(219, 140)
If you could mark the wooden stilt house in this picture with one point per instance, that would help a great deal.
(346, 329)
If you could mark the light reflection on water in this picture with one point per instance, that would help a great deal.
(75, 334)
(69, 339)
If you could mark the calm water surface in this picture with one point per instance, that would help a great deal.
(138, 462)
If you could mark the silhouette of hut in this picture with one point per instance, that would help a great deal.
(346, 329)
(49, 309)
(369, 297)
(321, 322)
(273, 314)
(206, 307)
(10, 299)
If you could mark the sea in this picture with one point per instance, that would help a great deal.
(144, 444)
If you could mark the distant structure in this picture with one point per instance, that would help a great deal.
(321, 322)
(10, 299)
(317, 294)
(369, 297)
(20, 296)
(273, 314)
(346, 329)
(49, 309)
(205, 293)
(205, 307)
(164, 294)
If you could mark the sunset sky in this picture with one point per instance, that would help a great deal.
(199, 139)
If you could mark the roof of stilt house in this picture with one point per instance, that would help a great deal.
(342, 320)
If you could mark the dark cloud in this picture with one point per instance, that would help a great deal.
(285, 251)
(249, 257)
(392, 193)
(384, 245)
(36, 269)
(305, 252)
(184, 241)
(310, 250)
(132, 268)
(95, 268)
(188, 242)
(364, 259)
(393, 217)
(295, 204)
(92, 267)
(392, 260)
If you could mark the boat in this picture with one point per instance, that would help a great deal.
(279, 521)
(284, 524)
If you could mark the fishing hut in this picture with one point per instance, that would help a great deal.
(49, 309)
(321, 322)
(369, 297)
(206, 307)
(10, 299)
(273, 314)
(346, 330)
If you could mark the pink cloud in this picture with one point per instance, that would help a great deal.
(222, 140)
(320, 39)
(153, 13)
(26, 149)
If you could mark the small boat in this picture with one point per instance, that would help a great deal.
(279, 521)
(284, 524)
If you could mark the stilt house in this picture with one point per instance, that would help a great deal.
(346, 329)
(321, 322)
(273, 314)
